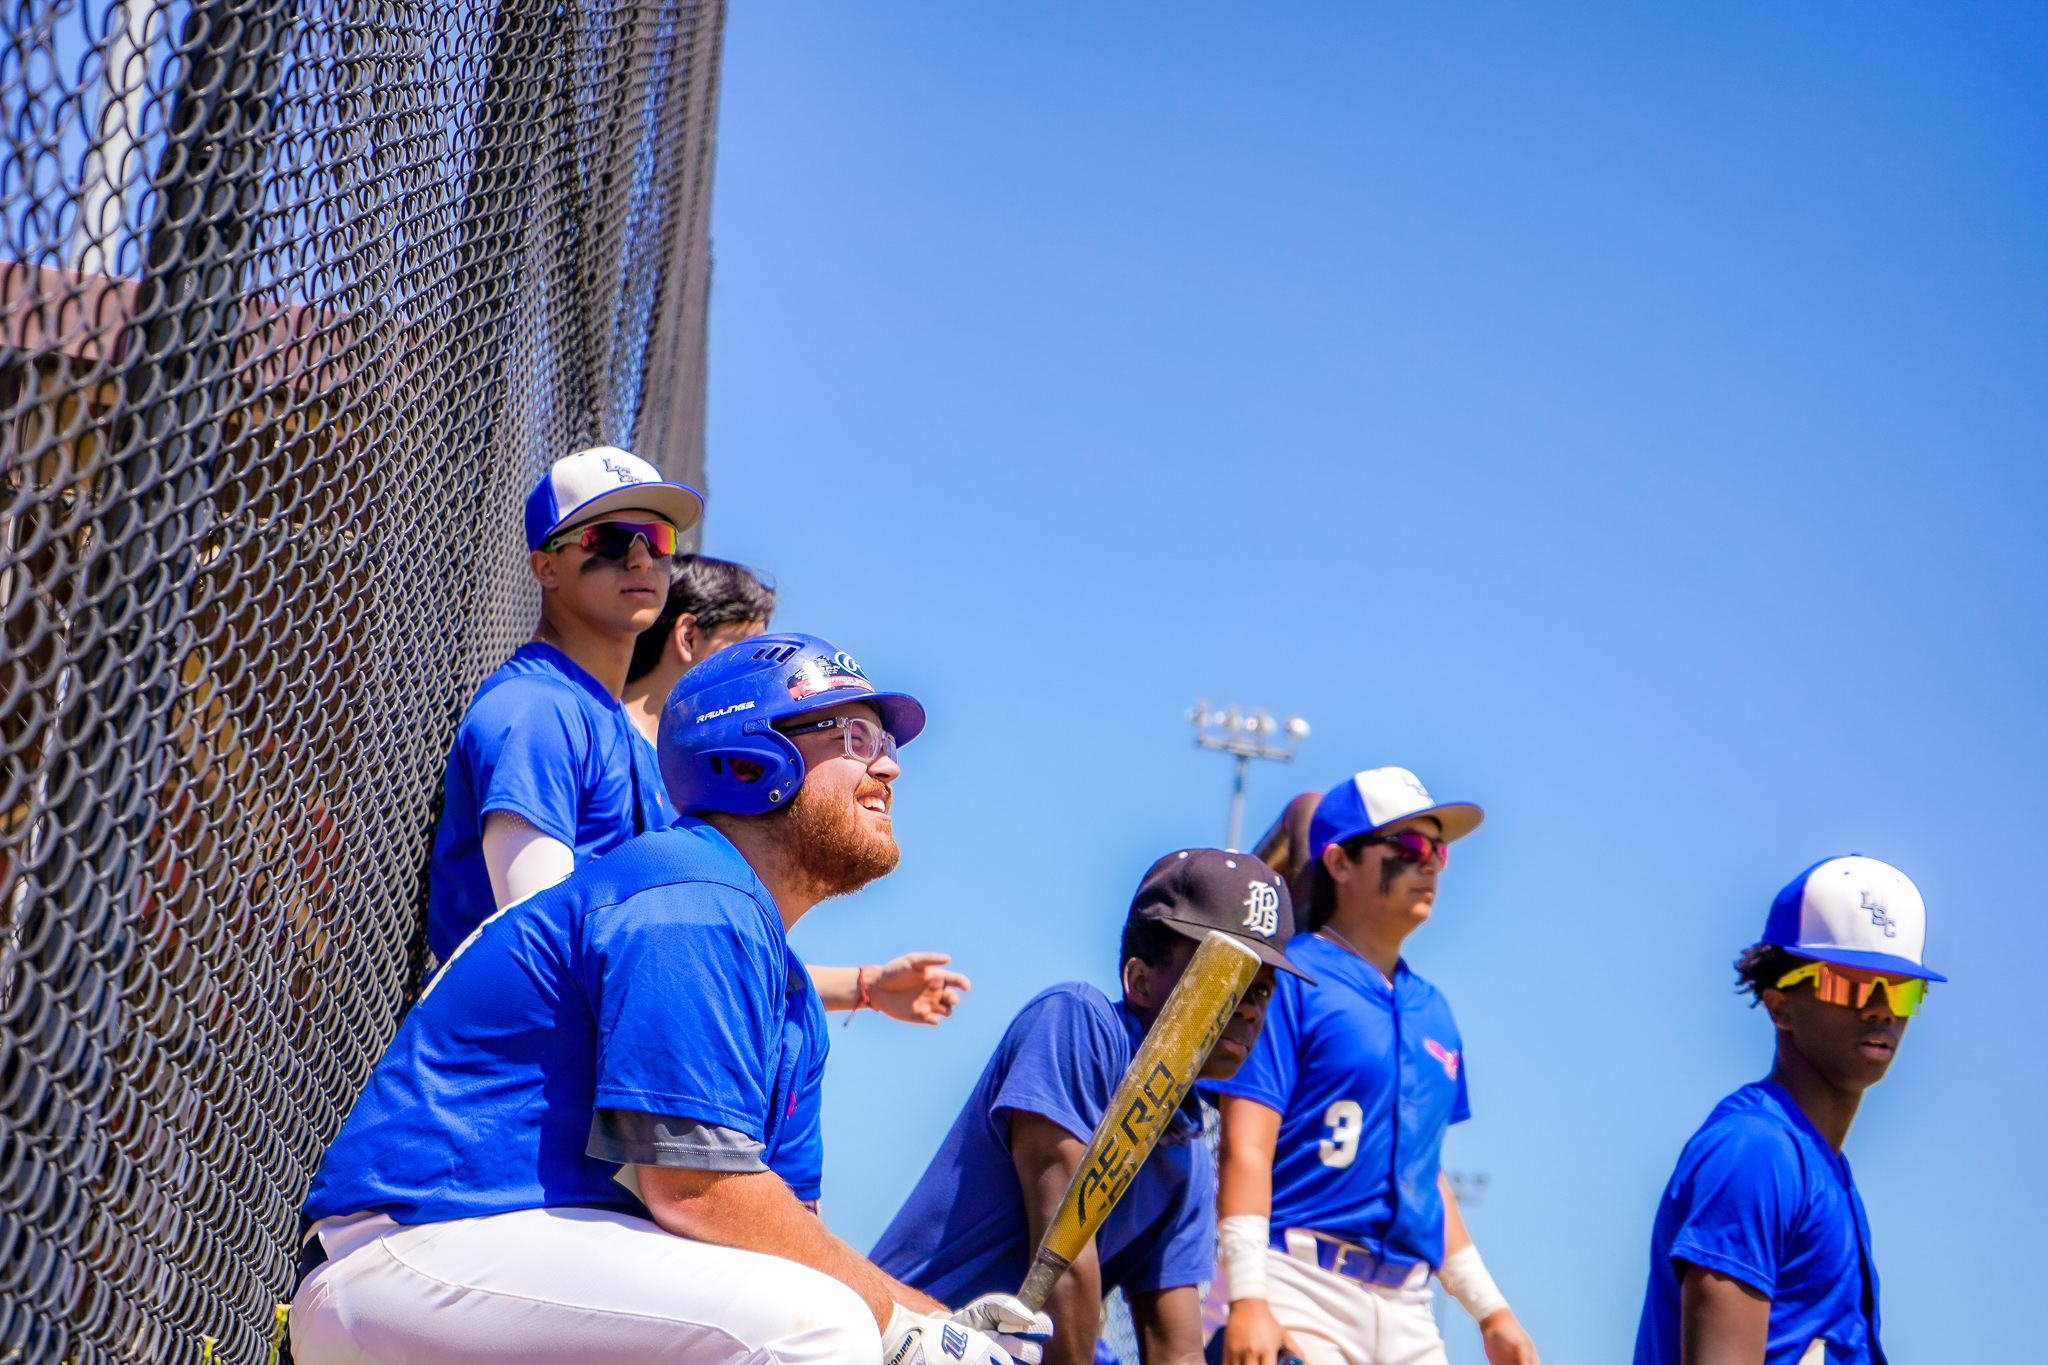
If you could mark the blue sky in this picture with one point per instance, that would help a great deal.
(1628, 417)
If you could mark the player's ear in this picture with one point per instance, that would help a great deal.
(1138, 983)
(1778, 1007)
(542, 567)
(1337, 863)
(684, 637)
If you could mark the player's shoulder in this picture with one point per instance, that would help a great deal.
(541, 673)
(1072, 1009)
(688, 873)
(1748, 1128)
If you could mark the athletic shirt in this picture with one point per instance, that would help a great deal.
(543, 740)
(656, 980)
(1761, 1197)
(668, 815)
(1366, 1078)
(963, 1231)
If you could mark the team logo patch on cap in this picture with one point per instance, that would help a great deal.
(1262, 908)
(815, 676)
(1447, 1057)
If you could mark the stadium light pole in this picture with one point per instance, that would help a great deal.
(1245, 735)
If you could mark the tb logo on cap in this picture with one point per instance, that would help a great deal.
(1262, 909)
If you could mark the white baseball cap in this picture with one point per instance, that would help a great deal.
(1855, 912)
(1377, 798)
(584, 486)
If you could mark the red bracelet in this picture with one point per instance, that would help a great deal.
(860, 983)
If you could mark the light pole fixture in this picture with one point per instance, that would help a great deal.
(1245, 735)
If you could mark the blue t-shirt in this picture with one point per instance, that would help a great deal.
(543, 740)
(1760, 1197)
(963, 1231)
(657, 980)
(1365, 1079)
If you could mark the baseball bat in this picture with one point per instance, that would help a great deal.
(1152, 1087)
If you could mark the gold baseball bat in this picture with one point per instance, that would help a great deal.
(1189, 1023)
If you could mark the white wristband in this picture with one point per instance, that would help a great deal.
(1465, 1279)
(1244, 1237)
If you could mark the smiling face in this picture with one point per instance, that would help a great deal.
(837, 831)
(1850, 1048)
(617, 597)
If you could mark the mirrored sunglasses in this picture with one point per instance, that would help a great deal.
(865, 740)
(614, 539)
(1838, 987)
(1412, 845)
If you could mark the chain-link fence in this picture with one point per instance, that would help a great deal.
(297, 299)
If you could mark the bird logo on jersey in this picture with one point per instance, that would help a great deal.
(1447, 1057)
(1262, 908)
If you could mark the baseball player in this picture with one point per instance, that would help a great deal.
(1334, 1210)
(972, 1222)
(713, 603)
(546, 771)
(596, 1138)
(1761, 1250)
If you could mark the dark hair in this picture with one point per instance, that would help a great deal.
(1322, 887)
(717, 592)
(1759, 968)
(1150, 941)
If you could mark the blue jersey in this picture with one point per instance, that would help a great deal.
(668, 815)
(1365, 1078)
(543, 740)
(963, 1231)
(657, 980)
(1761, 1197)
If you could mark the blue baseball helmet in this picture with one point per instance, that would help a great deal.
(724, 710)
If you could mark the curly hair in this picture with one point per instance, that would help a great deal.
(1759, 968)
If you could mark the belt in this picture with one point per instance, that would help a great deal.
(312, 1255)
(1349, 1259)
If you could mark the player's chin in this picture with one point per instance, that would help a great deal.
(1228, 1055)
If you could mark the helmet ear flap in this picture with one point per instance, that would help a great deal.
(759, 773)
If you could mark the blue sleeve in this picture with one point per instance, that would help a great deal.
(1461, 1108)
(1734, 1203)
(687, 991)
(1268, 1074)
(1063, 1063)
(526, 749)
(1185, 1250)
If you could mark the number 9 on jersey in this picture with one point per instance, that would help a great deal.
(1344, 1119)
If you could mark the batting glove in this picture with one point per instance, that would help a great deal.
(915, 1339)
(1004, 1313)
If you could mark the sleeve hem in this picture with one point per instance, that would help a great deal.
(1025, 1104)
(1733, 1269)
(544, 823)
(1240, 1091)
(682, 1107)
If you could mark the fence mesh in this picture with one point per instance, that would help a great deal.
(298, 298)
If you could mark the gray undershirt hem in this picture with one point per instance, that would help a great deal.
(631, 1138)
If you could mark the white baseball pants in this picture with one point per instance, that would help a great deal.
(1335, 1321)
(547, 1286)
